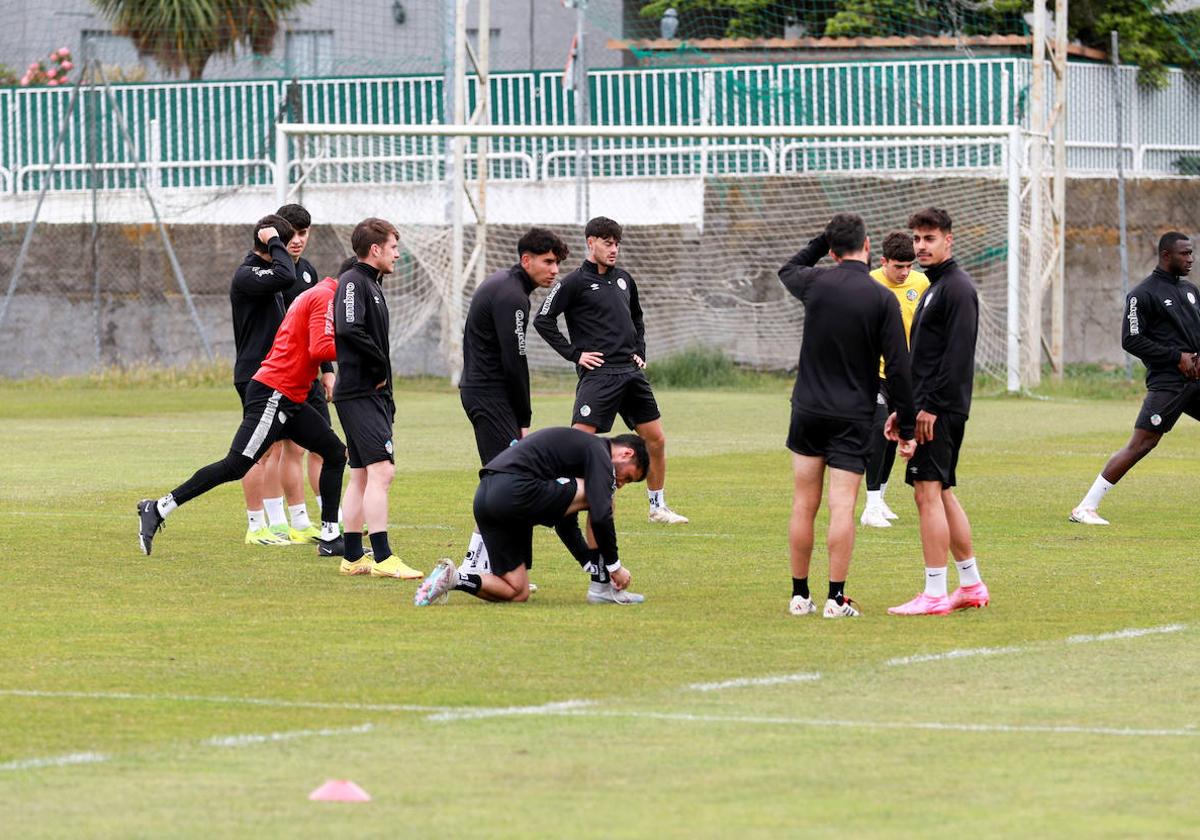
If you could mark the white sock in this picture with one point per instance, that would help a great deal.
(968, 572)
(473, 547)
(882, 490)
(257, 519)
(657, 499)
(1099, 487)
(329, 531)
(320, 507)
(299, 516)
(874, 498)
(935, 582)
(165, 505)
(274, 508)
(482, 562)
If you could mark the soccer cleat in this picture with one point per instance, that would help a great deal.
(665, 516)
(888, 513)
(303, 536)
(846, 609)
(975, 595)
(606, 593)
(435, 589)
(923, 605)
(801, 606)
(361, 566)
(394, 567)
(1087, 516)
(265, 536)
(335, 547)
(874, 517)
(149, 523)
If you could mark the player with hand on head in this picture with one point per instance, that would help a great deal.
(1161, 326)
(850, 321)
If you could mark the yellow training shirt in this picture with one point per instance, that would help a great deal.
(908, 293)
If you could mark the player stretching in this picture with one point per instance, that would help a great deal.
(608, 344)
(1162, 328)
(494, 386)
(896, 275)
(363, 397)
(275, 407)
(943, 372)
(546, 479)
(849, 323)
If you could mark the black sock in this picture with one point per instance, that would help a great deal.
(837, 591)
(800, 587)
(379, 544)
(469, 583)
(354, 549)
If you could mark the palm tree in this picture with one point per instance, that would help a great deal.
(187, 33)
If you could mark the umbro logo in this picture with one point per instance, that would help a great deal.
(595, 286)
(1168, 302)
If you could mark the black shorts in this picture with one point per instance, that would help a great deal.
(269, 416)
(316, 398)
(367, 422)
(241, 389)
(844, 444)
(1161, 409)
(495, 424)
(508, 506)
(600, 397)
(938, 459)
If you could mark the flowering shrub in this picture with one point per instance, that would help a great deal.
(55, 71)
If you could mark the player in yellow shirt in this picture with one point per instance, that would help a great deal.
(896, 275)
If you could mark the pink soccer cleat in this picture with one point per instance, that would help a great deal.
(923, 605)
(975, 595)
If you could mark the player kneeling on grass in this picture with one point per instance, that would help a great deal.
(546, 479)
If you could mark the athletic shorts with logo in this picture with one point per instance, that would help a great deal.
(509, 505)
(268, 416)
(600, 397)
(844, 444)
(367, 422)
(938, 459)
(493, 419)
(1161, 409)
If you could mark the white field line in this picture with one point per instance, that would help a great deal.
(273, 737)
(55, 761)
(235, 701)
(1132, 633)
(954, 654)
(744, 682)
(557, 708)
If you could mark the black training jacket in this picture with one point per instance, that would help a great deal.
(361, 324)
(256, 297)
(306, 278)
(603, 315)
(849, 322)
(1162, 321)
(560, 452)
(494, 340)
(944, 330)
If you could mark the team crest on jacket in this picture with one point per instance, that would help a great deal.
(307, 277)
(388, 447)
(585, 410)
(911, 294)
(621, 284)
(1191, 299)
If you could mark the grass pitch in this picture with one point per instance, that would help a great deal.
(203, 692)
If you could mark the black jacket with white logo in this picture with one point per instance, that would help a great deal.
(603, 315)
(306, 278)
(494, 340)
(944, 330)
(256, 297)
(849, 322)
(361, 325)
(1162, 321)
(560, 452)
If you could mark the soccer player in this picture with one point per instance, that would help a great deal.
(896, 275)
(850, 321)
(494, 386)
(608, 346)
(1162, 328)
(546, 479)
(363, 397)
(256, 296)
(944, 330)
(275, 408)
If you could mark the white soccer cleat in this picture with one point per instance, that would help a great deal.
(1087, 516)
(665, 516)
(888, 513)
(874, 517)
(801, 606)
(606, 593)
(846, 609)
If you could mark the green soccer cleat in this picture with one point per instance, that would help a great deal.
(303, 536)
(265, 536)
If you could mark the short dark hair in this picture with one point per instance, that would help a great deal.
(899, 247)
(641, 455)
(846, 233)
(371, 231)
(296, 215)
(603, 227)
(281, 227)
(541, 241)
(1168, 240)
(346, 265)
(930, 217)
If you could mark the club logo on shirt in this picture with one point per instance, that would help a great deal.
(585, 410)
(282, 418)
(1155, 419)
(520, 331)
(928, 298)
(911, 294)
(595, 286)
(550, 298)
(1191, 299)
(350, 302)
(307, 277)
(621, 284)
(562, 480)
(387, 447)
(1133, 316)
(880, 400)
(1168, 302)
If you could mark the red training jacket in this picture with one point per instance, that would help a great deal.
(304, 340)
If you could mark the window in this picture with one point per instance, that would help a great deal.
(309, 52)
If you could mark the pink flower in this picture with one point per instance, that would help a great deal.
(53, 83)
(51, 73)
(65, 51)
(33, 67)
(25, 80)
(66, 66)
